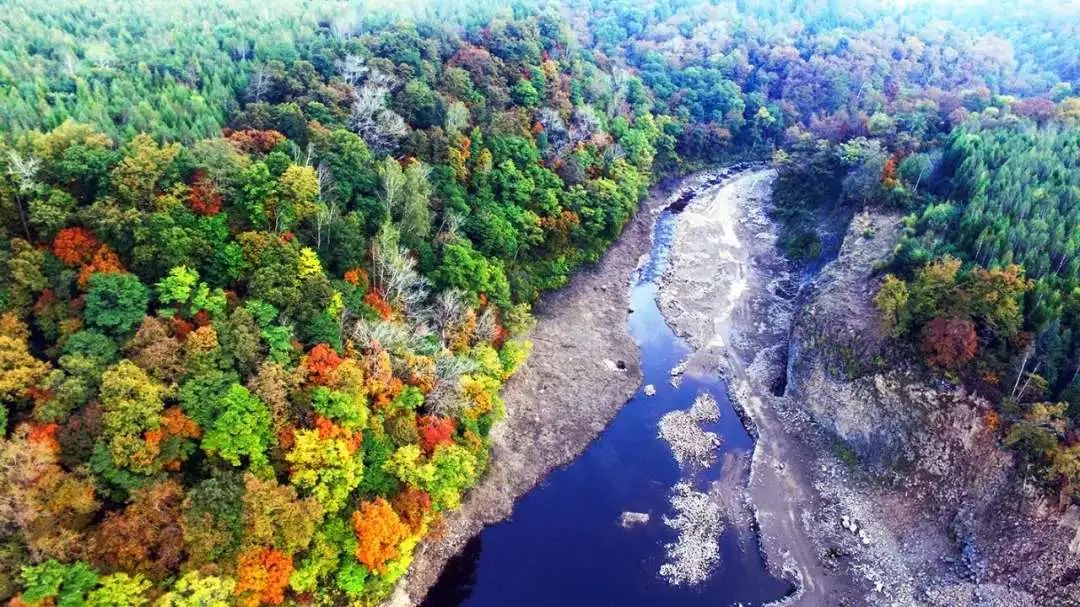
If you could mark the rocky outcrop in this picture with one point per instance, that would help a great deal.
(944, 519)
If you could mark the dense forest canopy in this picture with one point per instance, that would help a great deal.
(266, 265)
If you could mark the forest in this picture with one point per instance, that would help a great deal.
(265, 271)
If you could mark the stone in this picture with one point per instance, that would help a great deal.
(629, 519)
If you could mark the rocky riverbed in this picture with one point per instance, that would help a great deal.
(936, 512)
(731, 294)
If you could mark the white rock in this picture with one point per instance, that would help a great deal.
(696, 552)
(690, 444)
(650, 390)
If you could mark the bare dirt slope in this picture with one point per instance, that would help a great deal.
(947, 519)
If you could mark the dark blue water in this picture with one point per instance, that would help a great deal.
(564, 544)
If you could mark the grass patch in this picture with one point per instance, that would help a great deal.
(845, 453)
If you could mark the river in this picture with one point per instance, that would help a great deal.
(564, 544)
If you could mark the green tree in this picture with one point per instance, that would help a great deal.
(241, 428)
(194, 589)
(892, 301)
(67, 584)
(131, 404)
(115, 302)
(326, 469)
(526, 94)
(119, 590)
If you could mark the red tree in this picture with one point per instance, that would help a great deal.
(262, 575)
(412, 505)
(357, 277)
(379, 304)
(321, 363)
(204, 198)
(379, 533)
(252, 140)
(75, 246)
(949, 343)
(328, 430)
(1039, 109)
(889, 177)
(104, 261)
(435, 431)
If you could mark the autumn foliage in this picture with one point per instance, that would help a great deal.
(75, 246)
(413, 506)
(253, 140)
(949, 343)
(19, 369)
(435, 431)
(229, 352)
(379, 532)
(328, 430)
(420, 371)
(45, 506)
(147, 537)
(262, 575)
(379, 304)
(889, 178)
(204, 197)
(104, 261)
(44, 435)
(321, 363)
(380, 382)
(357, 277)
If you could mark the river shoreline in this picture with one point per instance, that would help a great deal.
(581, 346)
(731, 294)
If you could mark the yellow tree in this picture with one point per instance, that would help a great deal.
(136, 176)
(19, 369)
(379, 533)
